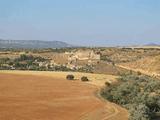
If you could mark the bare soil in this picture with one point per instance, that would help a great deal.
(39, 97)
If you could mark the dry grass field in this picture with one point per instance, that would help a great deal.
(95, 79)
(148, 65)
(27, 95)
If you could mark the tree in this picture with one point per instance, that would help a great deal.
(84, 78)
(70, 77)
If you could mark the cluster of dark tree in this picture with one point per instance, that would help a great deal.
(71, 77)
(105, 58)
(138, 93)
(84, 79)
(30, 62)
(30, 58)
(86, 68)
(56, 50)
(24, 62)
(42, 50)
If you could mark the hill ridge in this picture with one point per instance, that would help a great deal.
(32, 44)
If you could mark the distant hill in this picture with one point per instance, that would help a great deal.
(36, 44)
(152, 44)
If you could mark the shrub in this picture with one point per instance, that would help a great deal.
(139, 112)
(139, 94)
(70, 77)
(139, 73)
(107, 83)
(84, 78)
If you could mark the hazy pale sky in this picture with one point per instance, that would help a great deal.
(82, 22)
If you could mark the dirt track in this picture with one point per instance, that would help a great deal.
(35, 97)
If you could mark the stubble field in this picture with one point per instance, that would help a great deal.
(42, 96)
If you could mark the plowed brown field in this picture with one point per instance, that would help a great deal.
(39, 97)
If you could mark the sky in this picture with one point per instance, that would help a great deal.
(82, 22)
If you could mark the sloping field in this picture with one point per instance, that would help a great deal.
(106, 68)
(148, 65)
(48, 96)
